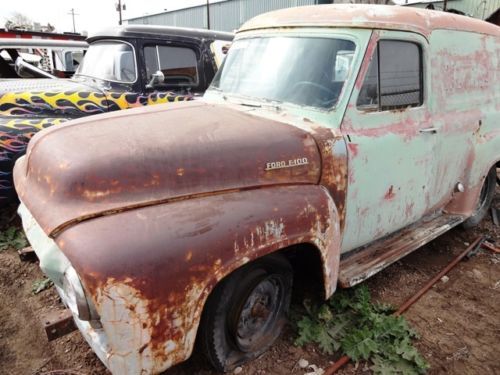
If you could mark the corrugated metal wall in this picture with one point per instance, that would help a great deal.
(478, 9)
(230, 15)
(224, 16)
(474, 8)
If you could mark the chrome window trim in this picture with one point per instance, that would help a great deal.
(112, 80)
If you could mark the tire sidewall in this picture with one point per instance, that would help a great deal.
(481, 212)
(220, 348)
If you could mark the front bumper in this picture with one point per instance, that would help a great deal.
(54, 264)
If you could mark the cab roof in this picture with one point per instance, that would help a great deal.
(158, 32)
(369, 16)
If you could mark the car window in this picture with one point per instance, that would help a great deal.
(109, 60)
(151, 60)
(178, 64)
(394, 77)
(306, 71)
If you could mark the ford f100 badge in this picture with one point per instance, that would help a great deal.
(286, 164)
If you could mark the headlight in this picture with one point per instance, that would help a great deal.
(76, 299)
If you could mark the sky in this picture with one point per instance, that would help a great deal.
(92, 15)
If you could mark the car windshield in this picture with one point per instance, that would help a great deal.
(308, 71)
(110, 61)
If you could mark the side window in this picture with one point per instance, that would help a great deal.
(394, 78)
(151, 61)
(178, 64)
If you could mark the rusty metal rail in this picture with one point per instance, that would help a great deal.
(488, 246)
(480, 241)
(58, 323)
(27, 254)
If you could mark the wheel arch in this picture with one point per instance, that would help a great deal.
(171, 277)
(464, 203)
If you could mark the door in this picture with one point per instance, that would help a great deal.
(390, 140)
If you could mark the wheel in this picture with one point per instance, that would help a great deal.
(246, 312)
(485, 199)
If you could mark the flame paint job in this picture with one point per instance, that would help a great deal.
(22, 113)
(77, 104)
(14, 137)
(153, 220)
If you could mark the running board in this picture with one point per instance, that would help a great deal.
(367, 261)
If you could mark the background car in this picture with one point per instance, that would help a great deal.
(124, 67)
(40, 58)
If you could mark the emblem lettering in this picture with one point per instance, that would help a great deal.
(286, 163)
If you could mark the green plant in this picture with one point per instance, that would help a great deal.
(12, 237)
(350, 322)
(40, 285)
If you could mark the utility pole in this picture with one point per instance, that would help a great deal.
(208, 14)
(445, 5)
(119, 8)
(73, 14)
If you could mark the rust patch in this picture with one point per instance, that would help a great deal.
(161, 161)
(409, 209)
(141, 258)
(390, 193)
(334, 174)
(372, 45)
(353, 148)
(373, 17)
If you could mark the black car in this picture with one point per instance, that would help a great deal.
(124, 67)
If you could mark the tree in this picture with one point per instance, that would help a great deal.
(19, 21)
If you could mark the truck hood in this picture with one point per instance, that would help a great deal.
(50, 98)
(155, 155)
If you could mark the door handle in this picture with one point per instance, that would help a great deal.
(432, 130)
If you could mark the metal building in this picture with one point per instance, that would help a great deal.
(473, 8)
(227, 15)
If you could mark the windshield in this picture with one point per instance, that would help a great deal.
(110, 61)
(308, 71)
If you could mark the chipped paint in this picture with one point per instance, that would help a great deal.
(372, 17)
(152, 177)
(152, 236)
(171, 290)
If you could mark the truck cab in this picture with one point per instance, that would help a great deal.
(338, 136)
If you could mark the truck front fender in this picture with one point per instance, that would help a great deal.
(149, 271)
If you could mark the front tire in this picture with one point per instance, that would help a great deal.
(485, 199)
(246, 312)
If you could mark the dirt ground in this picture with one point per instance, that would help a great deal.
(458, 320)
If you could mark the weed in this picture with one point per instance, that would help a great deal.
(364, 331)
(12, 237)
(40, 285)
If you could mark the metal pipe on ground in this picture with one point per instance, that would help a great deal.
(405, 306)
(489, 246)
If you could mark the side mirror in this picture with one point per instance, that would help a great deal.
(156, 79)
